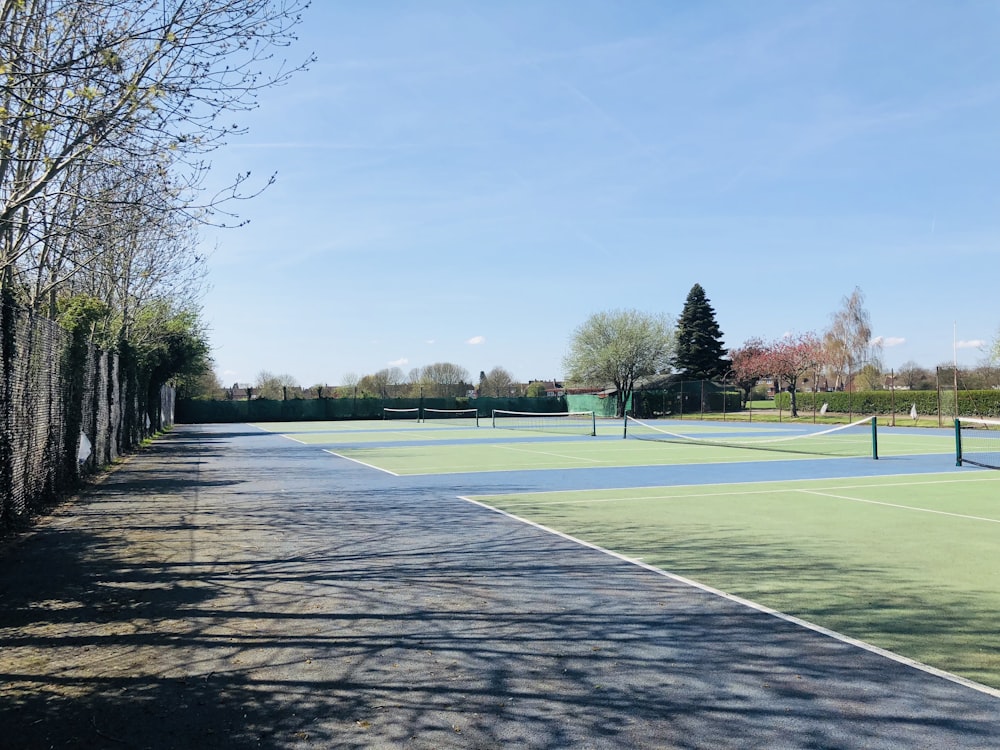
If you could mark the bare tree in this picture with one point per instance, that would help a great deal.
(444, 380)
(385, 383)
(848, 342)
(269, 385)
(86, 81)
(914, 377)
(349, 384)
(499, 382)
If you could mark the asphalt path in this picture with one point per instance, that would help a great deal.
(229, 588)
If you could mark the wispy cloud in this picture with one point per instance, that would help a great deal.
(399, 362)
(970, 344)
(888, 341)
(430, 341)
(476, 340)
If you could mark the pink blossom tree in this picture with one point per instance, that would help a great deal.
(748, 366)
(790, 358)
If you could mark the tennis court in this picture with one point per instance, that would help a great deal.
(897, 552)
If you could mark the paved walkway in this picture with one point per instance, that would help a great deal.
(228, 588)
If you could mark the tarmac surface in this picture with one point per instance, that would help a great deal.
(229, 588)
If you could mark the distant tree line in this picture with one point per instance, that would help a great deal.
(614, 350)
(438, 380)
(619, 348)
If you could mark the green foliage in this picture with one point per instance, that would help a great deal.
(536, 389)
(970, 403)
(77, 315)
(700, 350)
(205, 385)
(80, 312)
(169, 343)
(618, 347)
(870, 378)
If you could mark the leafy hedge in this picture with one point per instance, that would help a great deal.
(970, 403)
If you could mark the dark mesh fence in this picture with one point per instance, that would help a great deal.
(196, 411)
(62, 412)
(682, 398)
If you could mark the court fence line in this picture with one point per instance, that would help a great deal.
(67, 408)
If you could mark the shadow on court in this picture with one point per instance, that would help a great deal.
(227, 589)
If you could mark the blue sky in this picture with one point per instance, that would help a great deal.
(468, 181)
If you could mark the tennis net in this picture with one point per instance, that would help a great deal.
(859, 439)
(977, 442)
(467, 416)
(565, 422)
(388, 413)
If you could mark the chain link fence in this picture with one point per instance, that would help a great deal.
(66, 409)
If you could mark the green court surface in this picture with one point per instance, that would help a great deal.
(434, 450)
(906, 563)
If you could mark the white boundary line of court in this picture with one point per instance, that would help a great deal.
(912, 663)
(362, 463)
(326, 450)
(988, 475)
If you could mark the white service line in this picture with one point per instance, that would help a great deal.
(897, 505)
(530, 496)
(554, 455)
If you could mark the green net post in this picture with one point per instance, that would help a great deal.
(958, 442)
(875, 438)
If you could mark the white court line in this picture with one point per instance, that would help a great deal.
(899, 659)
(362, 463)
(897, 505)
(989, 476)
(547, 453)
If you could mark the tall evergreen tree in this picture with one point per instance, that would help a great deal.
(700, 350)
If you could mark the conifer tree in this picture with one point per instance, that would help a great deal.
(700, 352)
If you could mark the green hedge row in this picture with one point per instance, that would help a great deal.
(970, 403)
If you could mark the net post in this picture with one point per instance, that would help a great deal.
(494, 418)
(625, 426)
(875, 438)
(593, 424)
(958, 442)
